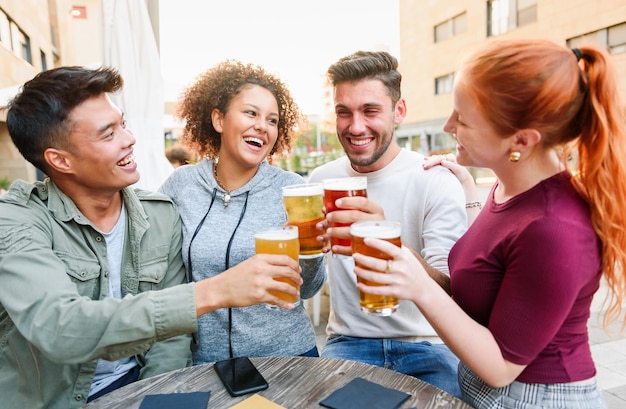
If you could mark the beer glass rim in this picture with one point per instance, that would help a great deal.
(389, 229)
(345, 183)
(277, 233)
(303, 189)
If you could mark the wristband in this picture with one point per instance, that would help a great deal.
(470, 205)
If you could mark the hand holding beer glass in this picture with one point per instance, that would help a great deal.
(342, 187)
(279, 240)
(303, 204)
(387, 230)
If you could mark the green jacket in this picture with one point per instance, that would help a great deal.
(53, 266)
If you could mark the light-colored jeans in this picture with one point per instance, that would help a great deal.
(432, 363)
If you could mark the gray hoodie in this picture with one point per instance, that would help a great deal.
(256, 330)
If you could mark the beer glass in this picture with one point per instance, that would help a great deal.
(382, 229)
(338, 188)
(279, 240)
(303, 204)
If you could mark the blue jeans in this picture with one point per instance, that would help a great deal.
(432, 363)
(313, 352)
(130, 377)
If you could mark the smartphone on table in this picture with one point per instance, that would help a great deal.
(240, 376)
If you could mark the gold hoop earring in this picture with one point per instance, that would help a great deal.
(515, 156)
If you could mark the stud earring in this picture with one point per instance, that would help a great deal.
(515, 156)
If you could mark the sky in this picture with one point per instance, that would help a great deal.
(293, 39)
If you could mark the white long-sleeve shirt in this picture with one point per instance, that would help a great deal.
(430, 205)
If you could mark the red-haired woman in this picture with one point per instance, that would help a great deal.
(548, 121)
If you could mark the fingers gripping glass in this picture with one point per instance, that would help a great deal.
(279, 240)
(338, 188)
(303, 205)
(387, 230)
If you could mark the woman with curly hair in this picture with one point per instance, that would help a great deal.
(238, 118)
(549, 122)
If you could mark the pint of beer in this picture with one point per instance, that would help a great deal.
(338, 188)
(303, 204)
(279, 240)
(381, 229)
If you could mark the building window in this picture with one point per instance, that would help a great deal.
(5, 30)
(526, 12)
(506, 15)
(617, 38)
(53, 36)
(612, 39)
(21, 43)
(443, 85)
(14, 38)
(79, 12)
(44, 60)
(449, 28)
(440, 142)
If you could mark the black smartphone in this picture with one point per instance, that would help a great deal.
(240, 376)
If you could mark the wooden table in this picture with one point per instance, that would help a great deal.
(294, 382)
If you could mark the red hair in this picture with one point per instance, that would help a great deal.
(575, 105)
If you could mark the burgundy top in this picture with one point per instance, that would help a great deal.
(527, 269)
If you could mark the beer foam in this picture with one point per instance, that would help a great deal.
(278, 234)
(380, 229)
(309, 189)
(349, 183)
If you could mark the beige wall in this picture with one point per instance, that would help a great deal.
(12, 165)
(87, 37)
(14, 70)
(35, 18)
(422, 60)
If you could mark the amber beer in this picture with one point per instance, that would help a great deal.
(342, 187)
(279, 240)
(381, 229)
(303, 204)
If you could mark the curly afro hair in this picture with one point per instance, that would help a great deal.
(215, 88)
